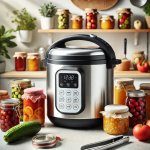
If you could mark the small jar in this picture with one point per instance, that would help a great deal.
(107, 22)
(34, 105)
(63, 18)
(124, 18)
(91, 18)
(3, 94)
(116, 119)
(137, 106)
(20, 61)
(9, 113)
(33, 61)
(76, 22)
(121, 88)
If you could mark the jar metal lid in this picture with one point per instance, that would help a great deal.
(21, 83)
(145, 86)
(3, 92)
(136, 93)
(9, 102)
(124, 81)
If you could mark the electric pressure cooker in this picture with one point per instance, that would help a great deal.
(79, 82)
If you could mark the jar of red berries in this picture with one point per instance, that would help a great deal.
(137, 106)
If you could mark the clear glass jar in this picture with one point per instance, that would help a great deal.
(34, 105)
(20, 61)
(33, 61)
(9, 113)
(107, 22)
(121, 87)
(137, 106)
(116, 119)
(91, 18)
(63, 18)
(3, 94)
(76, 22)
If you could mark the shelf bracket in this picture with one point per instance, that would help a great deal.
(136, 38)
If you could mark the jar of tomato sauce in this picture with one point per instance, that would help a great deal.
(20, 61)
(76, 22)
(3, 94)
(34, 105)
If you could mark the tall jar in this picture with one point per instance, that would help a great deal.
(20, 61)
(76, 22)
(137, 106)
(63, 18)
(124, 18)
(17, 89)
(3, 94)
(34, 105)
(91, 18)
(9, 113)
(121, 88)
(33, 61)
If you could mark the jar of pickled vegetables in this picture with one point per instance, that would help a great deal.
(3, 94)
(9, 113)
(76, 22)
(63, 18)
(121, 87)
(116, 119)
(137, 106)
(107, 22)
(91, 18)
(33, 61)
(20, 61)
(34, 105)
(17, 88)
(124, 18)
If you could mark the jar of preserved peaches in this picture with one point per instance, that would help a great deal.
(63, 18)
(121, 88)
(91, 18)
(137, 106)
(20, 61)
(34, 105)
(116, 119)
(9, 113)
(3, 94)
(124, 18)
(107, 22)
(33, 61)
(76, 22)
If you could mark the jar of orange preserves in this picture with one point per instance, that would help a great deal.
(76, 22)
(33, 61)
(34, 105)
(121, 87)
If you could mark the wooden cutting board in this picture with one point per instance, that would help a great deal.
(97, 4)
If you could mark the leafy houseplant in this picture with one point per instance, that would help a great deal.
(147, 12)
(47, 11)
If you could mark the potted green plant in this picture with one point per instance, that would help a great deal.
(6, 42)
(147, 12)
(25, 23)
(47, 11)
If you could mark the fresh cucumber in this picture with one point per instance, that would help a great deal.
(22, 130)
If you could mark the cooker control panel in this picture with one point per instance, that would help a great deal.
(68, 91)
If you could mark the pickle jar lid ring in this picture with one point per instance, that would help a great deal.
(145, 86)
(135, 93)
(9, 102)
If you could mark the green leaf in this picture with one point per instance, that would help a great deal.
(2, 30)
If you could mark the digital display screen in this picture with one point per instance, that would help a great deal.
(68, 80)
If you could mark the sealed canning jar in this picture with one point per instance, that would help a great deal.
(20, 61)
(91, 18)
(137, 106)
(76, 22)
(107, 22)
(3, 94)
(121, 87)
(9, 113)
(17, 88)
(33, 61)
(116, 119)
(124, 18)
(63, 18)
(34, 105)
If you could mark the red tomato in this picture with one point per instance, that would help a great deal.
(148, 123)
(141, 132)
(143, 66)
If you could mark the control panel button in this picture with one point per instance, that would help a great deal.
(61, 106)
(68, 93)
(68, 99)
(75, 100)
(75, 107)
(75, 85)
(61, 84)
(68, 106)
(61, 92)
(75, 93)
(61, 99)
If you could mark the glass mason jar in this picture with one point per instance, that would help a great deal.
(20, 61)
(116, 119)
(76, 22)
(9, 113)
(121, 88)
(91, 18)
(3, 94)
(34, 105)
(137, 106)
(124, 18)
(107, 22)
(63, 18)
(17, 89)
(33, 61)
